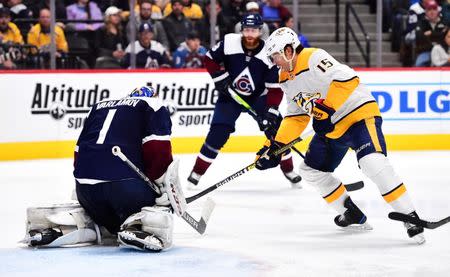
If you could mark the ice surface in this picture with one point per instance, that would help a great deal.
(260, 227)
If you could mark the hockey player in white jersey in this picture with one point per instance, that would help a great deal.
(345, 115)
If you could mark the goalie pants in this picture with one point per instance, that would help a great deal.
(110, 203)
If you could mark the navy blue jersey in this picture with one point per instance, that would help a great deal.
(141, 126)
(250, 70)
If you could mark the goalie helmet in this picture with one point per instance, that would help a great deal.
(143, 92)
(278, 40)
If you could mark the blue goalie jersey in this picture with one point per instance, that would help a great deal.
(129, 123)
(250, 70)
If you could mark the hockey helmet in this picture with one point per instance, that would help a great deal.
(145, 91)
(251, 21)
(278, 40)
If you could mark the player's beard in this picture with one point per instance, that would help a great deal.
(251, 42)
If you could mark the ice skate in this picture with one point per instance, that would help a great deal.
(415, 232)
(353, 218)
(42, 237)
(139, 240)
(294, 178)
(193, 180)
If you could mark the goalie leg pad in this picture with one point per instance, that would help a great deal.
(330, 188)
(376, 166)
(140, 229)
(60, 225)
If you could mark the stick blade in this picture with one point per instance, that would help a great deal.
(417, 221)
(354, 186)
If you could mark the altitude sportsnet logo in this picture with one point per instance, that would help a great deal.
(58, 101)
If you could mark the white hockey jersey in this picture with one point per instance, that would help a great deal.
(317, 75)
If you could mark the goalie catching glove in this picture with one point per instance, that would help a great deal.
(266, 158)
(322, 118)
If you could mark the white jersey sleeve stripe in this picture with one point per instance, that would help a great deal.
(155, 137)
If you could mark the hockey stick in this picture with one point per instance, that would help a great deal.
(350, 187)
(242, 171)
(417, 221)
(199, 226)
(252, 112)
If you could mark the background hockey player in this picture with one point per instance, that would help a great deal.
(111, 193)
(239, 63)
(345, 115)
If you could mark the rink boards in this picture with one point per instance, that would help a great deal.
(43, 111)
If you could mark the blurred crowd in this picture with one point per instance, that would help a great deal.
(420, 31)
(99, 34)
(176, 33)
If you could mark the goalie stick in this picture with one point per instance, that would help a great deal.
(350, 187)
(200, 225)
(417, 221)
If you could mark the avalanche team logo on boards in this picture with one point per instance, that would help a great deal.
(305, 100)
(244, 82)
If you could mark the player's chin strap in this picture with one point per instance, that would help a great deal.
(171, 186)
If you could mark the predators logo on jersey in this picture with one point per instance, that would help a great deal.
(305, 100)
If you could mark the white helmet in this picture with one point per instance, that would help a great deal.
(279, 39)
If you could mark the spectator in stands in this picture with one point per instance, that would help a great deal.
(275, 13)
(191, 10)
(156, 12)
(429, 31)
(203, 25)
(145, 16)
(190, 54)
(233, 11)
(20, 11)
(149, 53)
(8, 30)
(253, 8)
(82, 10)
(440, 54)
(39, 35)
(110, 40)
(446, 12)
(60, 8)
(289, 22)
(176, 25)
(120, 4)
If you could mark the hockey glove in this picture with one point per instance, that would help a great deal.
(270, 122)
(322, 118)
(222, 81)
(265, 157)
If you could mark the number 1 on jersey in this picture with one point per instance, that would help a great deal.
(105, 127)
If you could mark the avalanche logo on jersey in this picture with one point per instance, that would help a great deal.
(305, 100)
(244, 82)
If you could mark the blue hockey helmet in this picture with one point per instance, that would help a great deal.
(252, 20)
(144, 91)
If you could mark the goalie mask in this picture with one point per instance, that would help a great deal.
(143, 92)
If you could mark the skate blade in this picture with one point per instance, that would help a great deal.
(358, 227)
(296, 185)
(419, 239)
(192, 187)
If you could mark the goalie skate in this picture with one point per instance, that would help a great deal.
(139, 240)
